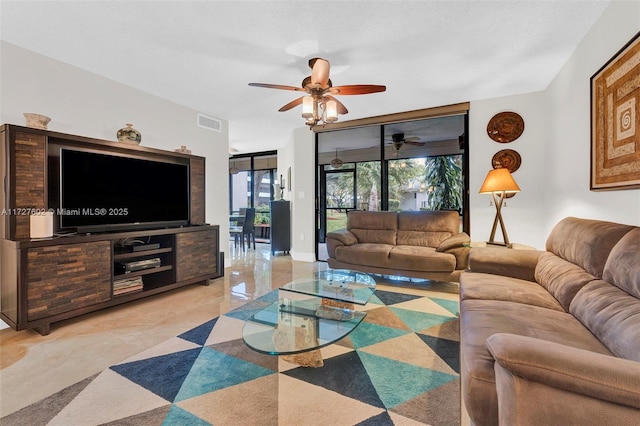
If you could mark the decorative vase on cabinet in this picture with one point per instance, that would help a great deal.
(129, 135)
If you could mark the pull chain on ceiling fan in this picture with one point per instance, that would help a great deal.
(319, 105)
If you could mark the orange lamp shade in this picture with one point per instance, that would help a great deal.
(499, 180)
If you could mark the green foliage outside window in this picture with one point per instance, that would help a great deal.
(262, 215)
(444, 182)
(440, 176)
(402, 175)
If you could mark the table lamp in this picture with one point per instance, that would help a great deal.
(498, 183)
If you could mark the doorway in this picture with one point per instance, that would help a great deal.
(338, 193)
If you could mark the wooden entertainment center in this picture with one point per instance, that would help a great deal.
(46, 280)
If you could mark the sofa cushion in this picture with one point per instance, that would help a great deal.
(413, 258)
(519, 264)
(480, 319)
(561, 278)
(610, 308)
(612, 315)
(374, 236)
(365, 254)
(585, 242)
(477, 285)
(426, 228)
(622, 268)
(373, 227)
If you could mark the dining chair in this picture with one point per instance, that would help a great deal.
(246, 230)
(242, 211)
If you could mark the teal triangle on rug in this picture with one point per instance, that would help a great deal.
(398, 382)
(215, 370)
(179, 417)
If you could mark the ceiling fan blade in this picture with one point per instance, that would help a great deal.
(319, 72)
(412, 139)
(292, 104)
(357, 89)
(277, 86)
(341, 108)
(408, 142)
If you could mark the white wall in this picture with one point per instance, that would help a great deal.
(568, 105)
(301, 154)
(555, 146)
(86, 104)
(527, 206)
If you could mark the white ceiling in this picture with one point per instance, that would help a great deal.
(202, 54)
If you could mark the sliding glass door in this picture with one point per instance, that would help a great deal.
(339, 196)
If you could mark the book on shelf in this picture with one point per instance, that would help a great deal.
(127, 285)
(127, 290)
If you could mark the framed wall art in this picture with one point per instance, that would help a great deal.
(615, 121)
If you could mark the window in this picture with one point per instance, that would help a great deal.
(411, 165)
(251, 183)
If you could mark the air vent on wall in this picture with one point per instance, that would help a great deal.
(209, 123)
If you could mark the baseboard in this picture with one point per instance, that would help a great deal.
(303, 256)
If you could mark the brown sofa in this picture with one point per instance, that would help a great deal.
(553, 337)
(419, 244)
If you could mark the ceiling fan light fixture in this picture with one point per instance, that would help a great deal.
(331, 110)
(336, 163)
(307, 107)
(233, 170)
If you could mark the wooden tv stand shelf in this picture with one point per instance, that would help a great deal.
(49, 280)
(43, 281)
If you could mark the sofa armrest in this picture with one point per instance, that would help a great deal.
(340, 237)
(454, 241)
(457, 245)
(512, 263)
(533, 373)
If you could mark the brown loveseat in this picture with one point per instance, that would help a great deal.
(553, 337)
(419, 244)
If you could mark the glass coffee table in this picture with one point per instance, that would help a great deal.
(291, 326)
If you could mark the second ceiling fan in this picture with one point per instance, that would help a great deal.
(398, 140)
(319, 104)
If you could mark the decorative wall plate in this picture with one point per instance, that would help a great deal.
(508, 159)
(505, 127)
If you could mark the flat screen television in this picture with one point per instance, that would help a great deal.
(108, 192)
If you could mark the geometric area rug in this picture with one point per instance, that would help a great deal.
(400, 366)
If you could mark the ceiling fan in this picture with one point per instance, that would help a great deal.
(398, 139)
(319, 104)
